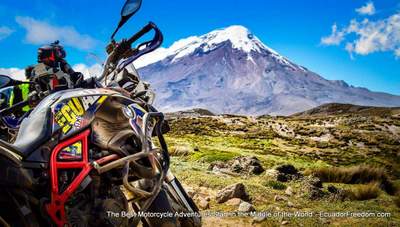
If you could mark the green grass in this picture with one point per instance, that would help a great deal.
(213, 155)
(212, 139)
(275, 185)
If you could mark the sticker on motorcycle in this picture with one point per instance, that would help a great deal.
(71, 153)
(69, 114)
(72, 114)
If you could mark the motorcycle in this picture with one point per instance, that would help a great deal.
(94, 155)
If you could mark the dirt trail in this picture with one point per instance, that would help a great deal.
(227, 222)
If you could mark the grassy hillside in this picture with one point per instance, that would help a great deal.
(356, 156)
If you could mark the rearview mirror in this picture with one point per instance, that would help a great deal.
(130, 7)
(5, 81)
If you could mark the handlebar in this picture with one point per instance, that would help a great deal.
(124, 46)
(142, 32)
(149, 46)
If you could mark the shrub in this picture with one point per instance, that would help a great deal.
(361, 174)
(364, 192)
(275, 185)
(397, 201)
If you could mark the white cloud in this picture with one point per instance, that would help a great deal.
(368, 36)
(5, 32)
(15, 73)
(368, 9)
(335, 38)
(88, 71)
(40, 32)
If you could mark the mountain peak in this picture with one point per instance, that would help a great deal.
(239, 36)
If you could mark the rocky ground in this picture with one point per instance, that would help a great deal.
(283, 165)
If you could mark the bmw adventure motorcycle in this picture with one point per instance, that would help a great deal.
(94, 155)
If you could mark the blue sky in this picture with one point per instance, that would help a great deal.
(294, 28)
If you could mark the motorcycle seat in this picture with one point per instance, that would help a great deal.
(34, 131)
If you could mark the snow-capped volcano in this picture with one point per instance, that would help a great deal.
(240, 37)
(231, 71)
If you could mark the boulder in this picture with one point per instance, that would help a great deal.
(233, 202)
(287, 172)
(259, 219)
(289, 191)
(272, 173)
(240, 165)
(287, 169)
(337, 194)
(203, 203)
(278, 198)
(246, 207)
(312, 188)
(233, 191)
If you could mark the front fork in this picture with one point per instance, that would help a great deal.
(176, 188)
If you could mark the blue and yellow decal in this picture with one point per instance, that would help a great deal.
(75, 113)
(71, 153)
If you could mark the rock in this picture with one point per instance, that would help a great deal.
(290, 204)
(314, 181)
(242, 165)
(259, 219)
(233, 202)
(181, 151)
(312, 188)
(245, 207)
(289, 191)
(286, 173)
(284, 222)
(272, 173)
(280, 198)
(256, 170)
(337, 194)
(216, 165)
(203, 204)
(287, 169)
(233, 191)
(332, 189)
(190, 191)
(282, 177)
(324, 221)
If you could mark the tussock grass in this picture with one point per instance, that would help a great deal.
(397, 201)
(182, 150)
(275, 185)
(360, 174)
(364, 191)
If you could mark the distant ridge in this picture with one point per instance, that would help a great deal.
(345, 109)
(196, 112)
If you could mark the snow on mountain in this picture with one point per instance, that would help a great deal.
(231, 71)
(240, 37)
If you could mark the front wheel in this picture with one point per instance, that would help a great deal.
(174, 200)
(182, 204)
